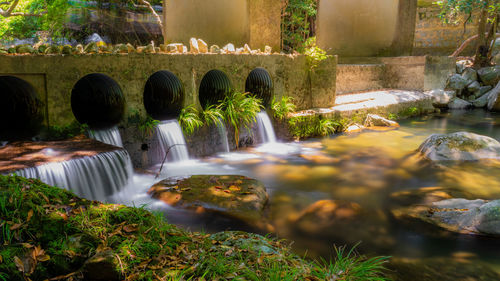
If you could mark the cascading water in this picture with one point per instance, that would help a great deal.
(223, 136)
(266, 129)
(95, 177)
(109, 136)
(170, 136)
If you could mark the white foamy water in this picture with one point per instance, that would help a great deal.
(170, 136)
(110, 136)
(266, 129)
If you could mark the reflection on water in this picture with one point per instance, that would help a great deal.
(341, 189)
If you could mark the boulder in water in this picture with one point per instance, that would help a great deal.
(457, 82)
(441, 98)
(373, 120)
(460, 146)
(234, 196)
(493, 101)
(489, 75)
(478, 217)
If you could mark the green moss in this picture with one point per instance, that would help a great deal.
(67, 231)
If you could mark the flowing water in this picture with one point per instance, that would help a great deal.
(171, 140)
(109, 136)
(221, 128)
(94, 177)
(266, 130)
(369, 170)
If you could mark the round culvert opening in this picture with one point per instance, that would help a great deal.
(98, 101)
(214, 87)
(21, 110)
(260, 84)
(163, 95)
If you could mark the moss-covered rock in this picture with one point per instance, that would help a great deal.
(236, 196)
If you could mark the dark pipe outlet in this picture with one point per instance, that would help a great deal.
(163, 95)
(260, 84)
(97, 100)
(21, 110)
(214, 87)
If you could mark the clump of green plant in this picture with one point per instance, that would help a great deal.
(348, 265)
(314, 126)
(283, 107)
(212, 115)
(146, 126)
(189, 119)
(326, 127)
(240, 109)
(64, 132)
(314, 54)
(297, 23)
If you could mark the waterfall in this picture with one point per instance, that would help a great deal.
(109, 136)
(265, 126)
(92, 177)
(223, 135)
(170, 135)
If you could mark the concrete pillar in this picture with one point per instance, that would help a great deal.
(357, 27)
(256, 22)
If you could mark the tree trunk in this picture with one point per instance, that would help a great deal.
(482, 47)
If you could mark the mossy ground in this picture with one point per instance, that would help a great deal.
(49, 233)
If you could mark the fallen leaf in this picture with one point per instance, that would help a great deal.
(43, 258)
(130, 228)
(16, 226)
(19, 263)
(228, 253)
(30, 214)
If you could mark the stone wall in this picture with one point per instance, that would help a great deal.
(256, 22)
(55, 75)
(432, 36)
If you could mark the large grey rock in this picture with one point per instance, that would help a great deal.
(481, 101)
(441, 98)
(459, 146)
(457, 82)
(493, 101)
(474, 87)
(458, 103)
(373, 120)
(461, 65)
(484, 89)
(480, 217)
(489, 75)
(470, 75)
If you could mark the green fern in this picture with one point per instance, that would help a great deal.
(283, 107)
(212, 115)
(189, 119)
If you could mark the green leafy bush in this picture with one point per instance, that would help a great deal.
(283, 107)
(240, 109)
(314, 54)
(189, 119)
(212, 115)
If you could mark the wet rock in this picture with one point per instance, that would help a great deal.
(440, 268)
(425, 195)
(493, 101)
(458, 103)
(481, 102)
(474, 87)
(234, 196)
(215, 49)
(193, 46)
(478, 217)
(457, 82)
(355, 128)
(489, 75)
(441, 98)
(91, 48)
(460, 146)
(202, 46)
(102, 266)
(229, 48)
(373, 120)
(470, 75)
(268, 50)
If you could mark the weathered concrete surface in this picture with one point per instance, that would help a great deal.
(405, 73)
(256, 22)
(55, 75)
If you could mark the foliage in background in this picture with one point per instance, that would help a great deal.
(314, 54)
(48, 233)
(314, 126)
(489, 19)
(240, 109)
(145, 125)
(283, 107)
(54, 133)
(189, 119)
(53, 16)
(298, 19)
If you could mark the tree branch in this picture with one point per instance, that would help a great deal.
(155, 14)
(466, 43)
(10, 11)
